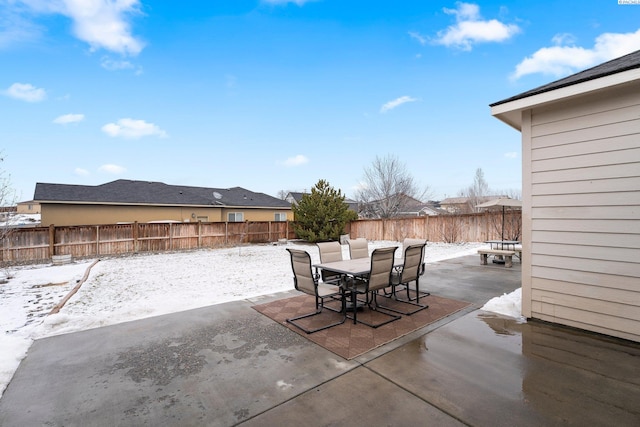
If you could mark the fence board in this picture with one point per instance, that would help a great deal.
(39, 244)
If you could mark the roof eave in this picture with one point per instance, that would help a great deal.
(511, 112)
(82, 202)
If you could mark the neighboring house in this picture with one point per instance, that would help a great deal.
(125, 201)
(295, 197)
(28, 208)
(463, 205)
(581, 197)
(418, 208)
(402, 206)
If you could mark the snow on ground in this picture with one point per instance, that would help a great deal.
(507, 304)
(134, 287)
(15, 220)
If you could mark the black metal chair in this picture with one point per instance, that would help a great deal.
(379, 277)
(409, 272)
(307, 282)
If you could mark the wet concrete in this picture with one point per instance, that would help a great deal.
(485, 369)
(228, 365)
(213, 366)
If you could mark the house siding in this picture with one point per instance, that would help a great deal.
(581, 212)
(78, 214)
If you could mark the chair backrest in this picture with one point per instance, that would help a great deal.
(303, 278)
(381, 268)
(358, 248)
(412, 263)
(409, 242)
(330, 251)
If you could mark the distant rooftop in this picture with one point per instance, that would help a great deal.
(153, 193)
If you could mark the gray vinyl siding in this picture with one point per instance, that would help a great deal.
(584, 202)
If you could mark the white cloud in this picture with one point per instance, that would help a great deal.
(81, 172)
(112, 169)
(563, 60)
(15, 27)
(396, 103)
(511, 155)
(68, 118)
(133, 129)
(26, 92)
(103, 24)
(296, 160)
(419, 37)
(117, 64)
(471, 29)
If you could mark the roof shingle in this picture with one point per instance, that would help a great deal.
(154, 193)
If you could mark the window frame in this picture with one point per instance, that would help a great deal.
(235, 216)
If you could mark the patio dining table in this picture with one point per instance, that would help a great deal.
(352, 268)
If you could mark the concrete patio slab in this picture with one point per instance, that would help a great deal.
(228, 365)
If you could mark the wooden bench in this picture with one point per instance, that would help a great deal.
(508, 256)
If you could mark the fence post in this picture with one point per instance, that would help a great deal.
(199, 234)
(97, 240)
(52, 237)
(170, 238)
(134, 231)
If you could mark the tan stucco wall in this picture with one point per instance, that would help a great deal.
(62, 214)
(28, 208)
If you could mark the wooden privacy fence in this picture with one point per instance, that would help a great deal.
(475, 227)
(24, 245)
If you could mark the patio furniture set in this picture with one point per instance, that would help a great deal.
(376, 281)
(503, 252)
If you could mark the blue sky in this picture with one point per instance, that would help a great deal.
(274, 95)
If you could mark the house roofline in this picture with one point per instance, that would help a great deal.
(66, 202)
(509, 111)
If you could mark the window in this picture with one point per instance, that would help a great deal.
(202, 218)
(281, 217)
(235, 217)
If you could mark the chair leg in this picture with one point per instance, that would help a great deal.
(418, 293)
(409, 300)
(373, 305)
(319, 306)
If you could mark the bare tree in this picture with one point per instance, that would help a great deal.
(477, 192)
(388, 189)
(7, 198)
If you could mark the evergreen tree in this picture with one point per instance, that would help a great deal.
(323, 214)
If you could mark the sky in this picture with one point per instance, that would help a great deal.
(129, 288)
(274, 95)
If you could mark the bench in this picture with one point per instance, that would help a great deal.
(508, 256)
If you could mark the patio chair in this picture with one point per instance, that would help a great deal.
(405, 244)
(330, 252)
(305, 281)
(379, 277)
(358, 248)
(409, 272)
(408, 242)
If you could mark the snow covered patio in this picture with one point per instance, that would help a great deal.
(226, 365)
